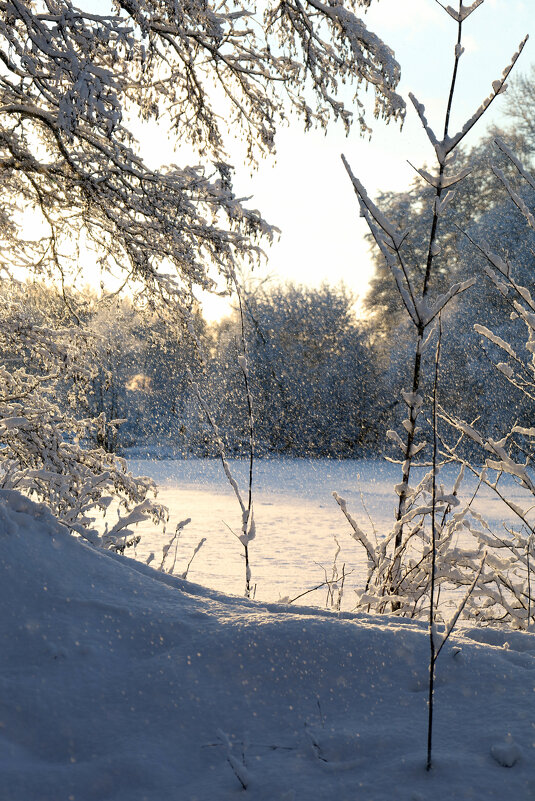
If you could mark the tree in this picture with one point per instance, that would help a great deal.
(158, 397)
(73, 81)
(424, 530)
(506, 592)
(114, 354)
(476, 197)
(45, 449)
(480, 204)
(425, 306)
(313, 372)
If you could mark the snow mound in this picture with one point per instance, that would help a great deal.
(120, 683)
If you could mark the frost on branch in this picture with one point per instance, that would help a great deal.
(449, 143)
(519, 166)
(516, 198)
(396, 238)
(400, 580)
(443, 181)
(420, 109)
(358, 534)
(498, 86)
(73, 79)
(374, 60)
(496, 340)
(45, 451)
(465, 11)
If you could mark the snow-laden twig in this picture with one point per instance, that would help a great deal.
(326, 583)
(451, 622)
(248, 525)
(358, 534)
(464, 11)
(192, 557)
(238, 766)
(433, 567)
(498, 86)
(248, 522)
(515, 197)
(386, 226)
(514, 160)
(173, 541)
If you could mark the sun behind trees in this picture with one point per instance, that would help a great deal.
(73, 82)
(315, 375)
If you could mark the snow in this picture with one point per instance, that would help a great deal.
(125, 684)
(296, 518)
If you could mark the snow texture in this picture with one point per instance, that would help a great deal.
(125, 684)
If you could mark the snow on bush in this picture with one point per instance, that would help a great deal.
(45, 451)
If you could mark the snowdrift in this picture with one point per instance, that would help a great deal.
(124, 684)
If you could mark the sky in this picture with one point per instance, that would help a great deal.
(305, 191)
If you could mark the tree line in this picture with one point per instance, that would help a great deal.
(316, 375)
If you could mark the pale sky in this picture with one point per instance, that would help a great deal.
(305, 190)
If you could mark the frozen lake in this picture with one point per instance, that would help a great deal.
(296, 516)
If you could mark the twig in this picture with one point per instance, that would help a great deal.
(313, 589)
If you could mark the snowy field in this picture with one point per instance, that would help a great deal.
(119, 683)
(296, 516)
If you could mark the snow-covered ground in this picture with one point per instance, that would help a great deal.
(296, 516)
(119, 683)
